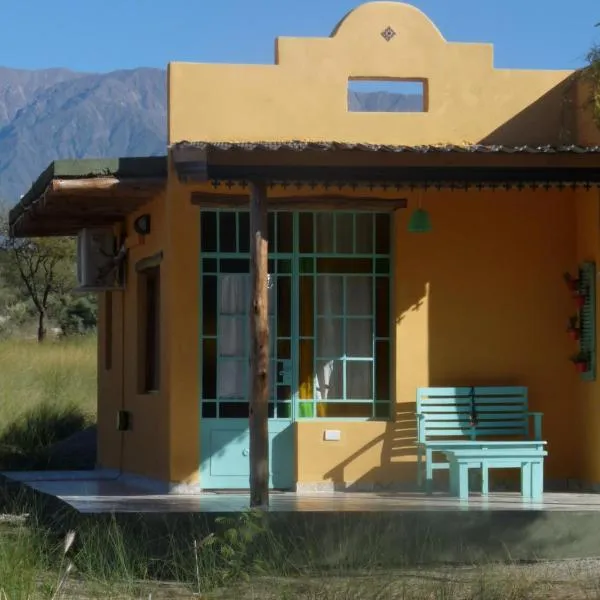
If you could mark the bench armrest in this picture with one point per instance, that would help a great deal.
(537, 424)
(421, 427)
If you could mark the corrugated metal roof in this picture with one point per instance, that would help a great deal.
(300, 146)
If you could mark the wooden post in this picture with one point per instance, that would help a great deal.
(259, 348)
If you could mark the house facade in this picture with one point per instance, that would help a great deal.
(363, 310)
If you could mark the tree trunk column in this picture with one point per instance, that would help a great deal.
(259, 347)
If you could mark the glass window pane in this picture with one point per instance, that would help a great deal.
(382, 233)
(306, 233)
(359, 296)
(284, 393)
(344, 410)
(284, 349)
(209, 410)
(232, 338)
(235, 265)
(208, 231)
(382, 312)
(306, 410)
(329, 338)
(285, 232)
(382, 266)
(284, 410)
(329, 380)
(227, 232)
(306, 307)
(324, 229)
(209, 305)
(382, 370)
(359, 338)
(307, 265)
(209, 369)
(209, 265)
(284, 266)
(234, 298)
(284, 306)
(364, 233)
(233, 410)
(271, 230)
(359, 380)
(344, 233)
(330, 295)
(244, 232)
(232, 379)
(344, 265)
(305, 390)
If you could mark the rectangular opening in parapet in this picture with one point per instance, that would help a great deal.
(387, 95)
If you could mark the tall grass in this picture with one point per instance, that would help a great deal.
(47, 393)
(243, 558)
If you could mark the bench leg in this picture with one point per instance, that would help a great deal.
(453, 477)
(537, 480)
(419, 468)
(429, 472)
(526, 479)
(463, 481)
(485, 480)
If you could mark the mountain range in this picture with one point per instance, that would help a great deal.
(58, 113)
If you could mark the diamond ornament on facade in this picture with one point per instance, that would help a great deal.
(388, 33)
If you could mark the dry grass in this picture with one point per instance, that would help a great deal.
(48, 393)
(56, 372)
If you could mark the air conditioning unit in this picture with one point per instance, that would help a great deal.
(99, 261)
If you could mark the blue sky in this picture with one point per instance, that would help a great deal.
(120, 34)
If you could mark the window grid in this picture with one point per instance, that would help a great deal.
(380, 267)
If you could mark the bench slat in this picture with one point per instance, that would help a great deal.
(466, 426)
(466, 409)
(461, 432)
(466, 401)
(480, 389)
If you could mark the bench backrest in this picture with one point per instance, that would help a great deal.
(472, 412)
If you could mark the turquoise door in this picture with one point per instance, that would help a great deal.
(226, 288)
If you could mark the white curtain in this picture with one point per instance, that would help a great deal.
(233, 324)
(233, 335)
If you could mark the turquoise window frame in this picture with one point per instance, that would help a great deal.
(382, 266)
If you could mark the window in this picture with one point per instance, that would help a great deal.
(387, 96)
(149, 329)
(344, 354)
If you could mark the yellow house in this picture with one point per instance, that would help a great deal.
(363, 311)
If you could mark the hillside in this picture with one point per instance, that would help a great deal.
(57, 113)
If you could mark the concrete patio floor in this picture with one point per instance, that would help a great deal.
(437, 528)
(98, 492)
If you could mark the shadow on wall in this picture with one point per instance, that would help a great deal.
(549, 120)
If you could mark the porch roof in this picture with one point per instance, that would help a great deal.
(356, 164)
(72, 194)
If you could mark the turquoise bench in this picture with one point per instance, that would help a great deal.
(461, 425)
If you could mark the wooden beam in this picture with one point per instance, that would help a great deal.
(259, 348)
(136, 186)
(322, 202)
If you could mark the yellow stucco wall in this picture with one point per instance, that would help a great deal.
(588, 394)
(145, 449)
(480, 300)
(303, 96)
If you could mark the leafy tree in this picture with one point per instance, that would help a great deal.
(79, 314)
(593, 76)
(42, 269)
